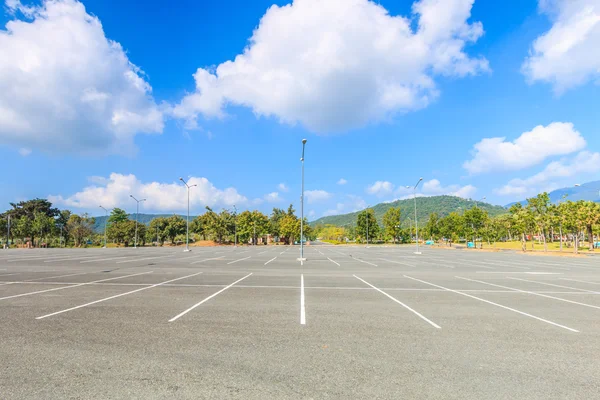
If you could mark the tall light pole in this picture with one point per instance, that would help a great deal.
(137, 212)
(416, 220)
(302, 206)
(105, 222)
(187, 229)
(367, 217)
(235, 227)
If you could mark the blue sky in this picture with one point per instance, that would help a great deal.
(102, 99)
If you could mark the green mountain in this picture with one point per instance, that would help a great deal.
(142, 219)
(443, 205)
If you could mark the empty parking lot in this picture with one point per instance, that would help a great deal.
(254, 323)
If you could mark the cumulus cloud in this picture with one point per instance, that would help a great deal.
(283, 187)
(529, 149)
(555, 175)
(65, 87)
(24, 151)
(273, 197)
(342, 181)
(380, 188)
(566, 55)
(434, 187)
(351, 203)
(165, 197)
(315, 196)
(339, 64)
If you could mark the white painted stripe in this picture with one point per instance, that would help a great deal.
(554, 285)
(494, 304)
(518, 272)
(15, 273)
(115, 296)
(66, 259)
(270, 260)
(333, 261)
(396, 262)
(533, 293)
(241, 259)
(206, 299)
(302, 310)
(103, 259)
(207, 259)
(68, 287)
(142, 259)
(402, 304)
(363, 261)
(57, 276)
(262, 252)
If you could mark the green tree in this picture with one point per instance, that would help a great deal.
(475, 220)
(452, 226)
(391, 223)
(366, 225)
(21, 227)
(539, 208)
(290, 228)
(41, 224)
(117, 215)
(156, 230)
(275, 222)
(175, 225)
(80, 228)
(431, 227)
(29, 209)
(589, 212)
(251, 222)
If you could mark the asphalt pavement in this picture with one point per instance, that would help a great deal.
(350, 322)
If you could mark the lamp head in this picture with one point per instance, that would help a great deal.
(303, 141)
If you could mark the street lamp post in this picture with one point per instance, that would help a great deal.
(367, 217)
(235, 227)
(416, 220)
(137, 212)
(105, 222)
(302, 207)
(187, 229)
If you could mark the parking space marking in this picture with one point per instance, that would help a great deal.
(575, 280)
(206, 299)
(103, 259)
(533, 293)
(142, 259)
(396, 262)
(363, 261)
(57, 276)
(552, 284)
(115, 296)
(241, 259)
(494, 304)
(270, 260)
(333, 261)
(402, 304)
(206, 259)
(68, 287)
(302, 309)
(67, 259)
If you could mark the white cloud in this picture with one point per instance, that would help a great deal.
(380, 188)
(315, 196)
(434, 187)
(342, 181)
(555, 175)
(273, 197)
(567, 55)
(353, 203)
(339, 64)
(24, 151)
(165, 197)
(66, 88)
(283, 187)
(529, 149)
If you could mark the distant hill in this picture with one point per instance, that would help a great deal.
(443, 205)
(588, 191)
(142, 219)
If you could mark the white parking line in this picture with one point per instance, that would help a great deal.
(15, 273)
(206, 299)
(115, 296)
(270, 260)
(552, 284)
(142, 259)
(302, 310)
(68, 287)
(262, 252)
(575, 280)
(66, 259)
(333, 261)
(365, 262)
(494, 304)
(402, 304)
(57, 276)
(103, 259)
(207, 259)
(241, 259)
(396, 262)
(533, 293)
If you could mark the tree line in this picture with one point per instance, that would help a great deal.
(37, 223)
(569, 223)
